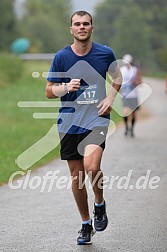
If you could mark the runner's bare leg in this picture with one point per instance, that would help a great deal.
(80, 194)
(92, 160)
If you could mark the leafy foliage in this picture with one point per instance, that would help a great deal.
(46, 24)
(7, 24)
(129, 26)
(136, 27)
(134, 33)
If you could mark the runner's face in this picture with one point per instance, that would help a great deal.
(81, 27)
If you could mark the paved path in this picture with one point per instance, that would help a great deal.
(36, 221)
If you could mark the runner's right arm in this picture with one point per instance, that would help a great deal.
(55, 90)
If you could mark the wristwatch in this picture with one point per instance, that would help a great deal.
(65, 88)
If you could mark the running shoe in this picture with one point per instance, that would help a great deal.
(85, 235)
(100, 217)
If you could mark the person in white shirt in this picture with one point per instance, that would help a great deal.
(131, 78)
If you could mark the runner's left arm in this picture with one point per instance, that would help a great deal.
(105, 106)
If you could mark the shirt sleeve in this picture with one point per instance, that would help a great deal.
(55, 73)
(112, 62)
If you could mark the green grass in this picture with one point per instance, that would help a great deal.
(161, 75)
(19, 130)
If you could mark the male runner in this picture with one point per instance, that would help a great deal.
(84, 114)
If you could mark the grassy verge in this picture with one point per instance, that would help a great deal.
(19, 130)
(156, 75)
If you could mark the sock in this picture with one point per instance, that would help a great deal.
(133, 122)
(126, 122)
(87, 222)
(99, 204)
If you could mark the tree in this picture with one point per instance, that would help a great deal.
(135, 26)
(132, 34)
(156, 17)
(105, 15)
(46, 24)
(7, 24)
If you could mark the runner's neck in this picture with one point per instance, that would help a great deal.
(81, 48)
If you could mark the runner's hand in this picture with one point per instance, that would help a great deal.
(105, 107)
(73, 85)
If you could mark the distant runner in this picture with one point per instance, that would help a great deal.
(131, 78)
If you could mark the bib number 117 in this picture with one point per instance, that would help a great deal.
(89, 94)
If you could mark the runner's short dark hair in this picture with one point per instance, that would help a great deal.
(82, 13)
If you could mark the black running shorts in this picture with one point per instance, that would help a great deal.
(73, 145)
(131, 103)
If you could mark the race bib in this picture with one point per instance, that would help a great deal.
(87, 94)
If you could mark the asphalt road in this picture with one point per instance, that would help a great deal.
(46, 218)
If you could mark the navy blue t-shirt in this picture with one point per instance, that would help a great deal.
(78, 111)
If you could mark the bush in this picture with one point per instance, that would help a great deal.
(11, 68)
